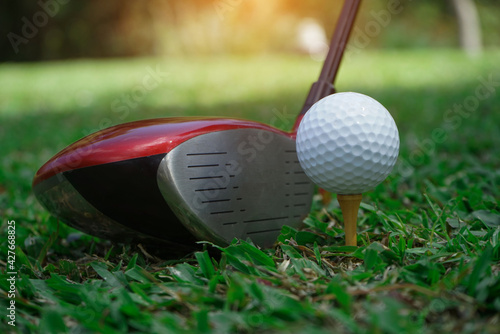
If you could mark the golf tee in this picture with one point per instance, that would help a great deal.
(349, 204)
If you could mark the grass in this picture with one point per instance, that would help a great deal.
(429, 235)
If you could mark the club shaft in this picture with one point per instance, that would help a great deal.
(324, 86)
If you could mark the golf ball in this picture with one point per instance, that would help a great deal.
(347, 143)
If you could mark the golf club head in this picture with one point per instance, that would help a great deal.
(178, 180)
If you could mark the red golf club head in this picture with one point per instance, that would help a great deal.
(222, 178)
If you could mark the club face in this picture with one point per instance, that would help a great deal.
(145, 194)
(242, 183)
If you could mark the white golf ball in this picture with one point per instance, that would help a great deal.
(347, 143)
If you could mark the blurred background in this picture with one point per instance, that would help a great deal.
(71, 68)
(62, 29)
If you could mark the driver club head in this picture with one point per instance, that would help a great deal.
(178, 180)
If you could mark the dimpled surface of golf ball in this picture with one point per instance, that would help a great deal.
(347, 143)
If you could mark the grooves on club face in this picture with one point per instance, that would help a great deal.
(108, 184)
(244, 183)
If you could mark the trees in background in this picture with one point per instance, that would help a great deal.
(58, 29)
(469, 26)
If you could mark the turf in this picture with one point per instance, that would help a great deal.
(429, 236)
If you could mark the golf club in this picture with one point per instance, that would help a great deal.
(178, 180)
